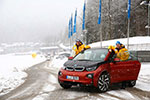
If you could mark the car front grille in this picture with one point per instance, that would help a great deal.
(78, 68)
(70, 68)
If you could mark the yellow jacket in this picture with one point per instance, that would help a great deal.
(122, 54)
(79, 49)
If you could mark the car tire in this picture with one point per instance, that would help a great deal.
(132, 83)
(103, 82)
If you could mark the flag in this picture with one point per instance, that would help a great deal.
(71, 29)
(129, 8)
(83, 24)
(99, 16)
(69, 35)
(75, 20)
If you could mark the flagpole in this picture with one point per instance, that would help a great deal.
(128, 33)
(148, 17)
(101, 39)
(70, 43)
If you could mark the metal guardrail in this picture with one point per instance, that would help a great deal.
(140, 47)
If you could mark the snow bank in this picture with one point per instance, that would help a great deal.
(132, 40)
(58, 63)
(11, 70)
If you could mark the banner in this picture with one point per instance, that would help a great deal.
(84, 8)
(99, 16)
(129, 8)
(75, 21)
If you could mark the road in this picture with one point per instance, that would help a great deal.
(41, 84)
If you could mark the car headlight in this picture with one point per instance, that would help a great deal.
(91, 68)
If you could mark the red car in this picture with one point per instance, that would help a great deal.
(97, 67)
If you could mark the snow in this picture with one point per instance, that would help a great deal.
(64, 47)
(49, 48)
(135, 43)
(48, 88)
(52, 79)
(38, 98)
(58, 63)
(121, 93)
(138, 40)
(143, 81)
(12, 70)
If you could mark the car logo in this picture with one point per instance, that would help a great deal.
(75, 65)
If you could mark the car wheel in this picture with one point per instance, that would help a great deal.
(132, 83)
(103, 82)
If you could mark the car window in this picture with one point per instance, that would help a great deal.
(92, 54)
(133, 55)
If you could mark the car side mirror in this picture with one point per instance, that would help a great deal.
(70, 58)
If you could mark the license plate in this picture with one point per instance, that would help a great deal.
(72, 77)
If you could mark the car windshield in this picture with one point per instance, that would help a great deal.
(92, 55)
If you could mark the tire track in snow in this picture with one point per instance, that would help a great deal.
(142, 95)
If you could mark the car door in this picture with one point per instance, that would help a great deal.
(118, 71)
(133, 67)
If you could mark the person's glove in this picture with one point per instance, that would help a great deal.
(110, 48)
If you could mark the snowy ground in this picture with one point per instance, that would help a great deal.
(143, 82)
(135, 43)
(46, 86)
(12, 68)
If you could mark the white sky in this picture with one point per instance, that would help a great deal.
(22, 20)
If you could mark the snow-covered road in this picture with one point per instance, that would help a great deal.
(41, 84)
(12, 68)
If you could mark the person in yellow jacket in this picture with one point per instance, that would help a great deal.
(120, 50)
(78, 47)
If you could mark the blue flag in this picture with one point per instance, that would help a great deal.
(71, 30)
(75, 20)
(69, 35)
(83, 25)
(129, 8)
(99, 16)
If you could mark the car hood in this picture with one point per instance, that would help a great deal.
(82, 63)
